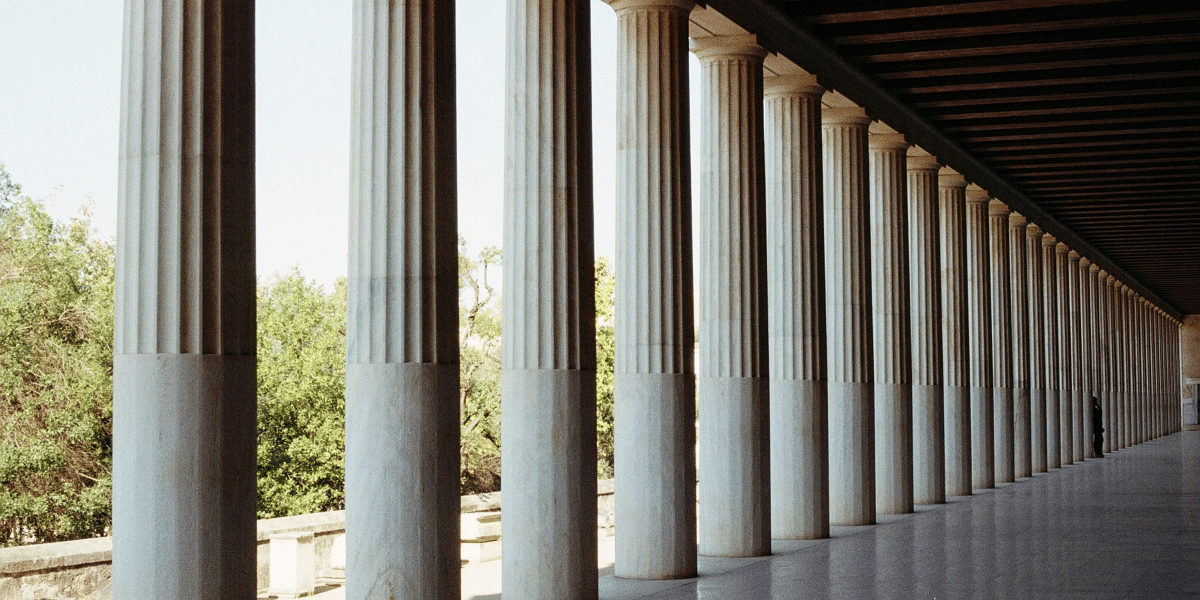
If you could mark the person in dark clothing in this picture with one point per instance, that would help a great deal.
(1097, 428)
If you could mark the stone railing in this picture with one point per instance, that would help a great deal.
(82, 569)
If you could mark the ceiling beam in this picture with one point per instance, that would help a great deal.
(1005, 50)
(920, 35)
(941, 10)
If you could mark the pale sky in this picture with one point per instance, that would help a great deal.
(60, 80)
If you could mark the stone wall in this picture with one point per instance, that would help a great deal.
(82, 569)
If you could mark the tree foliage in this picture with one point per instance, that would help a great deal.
(301, 396)
(605, 367)
(56, 347)
(479, 375)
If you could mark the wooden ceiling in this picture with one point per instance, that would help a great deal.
(1089, 108)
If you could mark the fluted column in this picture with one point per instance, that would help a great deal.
(1038, 342)
(1065, 347)
(548, 362)
(1123, 373)
(796, 309)
(1113, 408)
(1103, 358)
(1018, 287)
(889, 315)
(655, 378)
(1087, 346)
(1002, 342)
(979, 327)
(734, 468)
(402, 458)
(184, 342)
(952, 210)
(1073, 355)
(1053, 339)
(848, 297)
(925, 307)
(1140, 363)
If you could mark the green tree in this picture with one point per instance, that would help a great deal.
(56, 347)
(479, 376)
(605, 367)
(301, 396)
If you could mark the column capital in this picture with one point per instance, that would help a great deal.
(1017, 220)
(1093, 267)
(1049, 240)
(1111, 281)
(948, 177)
(787, 85)
(1034, 231)
(1074, 256)
(921, 160)
(851, 115)
(998, 208)
(728, 45)
(1062, 248)
(977, 194)
(677, 5)
(885, 137)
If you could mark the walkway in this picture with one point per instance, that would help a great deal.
(1123, 527)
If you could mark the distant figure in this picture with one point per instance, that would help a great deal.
(1097, 428)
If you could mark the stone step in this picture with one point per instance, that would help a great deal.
(480, 526)
(482, 551)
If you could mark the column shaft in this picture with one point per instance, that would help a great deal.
(1002, 342)
(1087, 347)
(1019, 294)
(892, 342)
(980, 336)
(402, 456)
(957, 378)
(734, 469)
(184, 400)
(1112, 439)
(848, 297)
(796, 309)
(1074, 354)
(548, 361)
(1053, 339)
(929, 457)
(1065, 347)
(1035, 298)
(655, 381)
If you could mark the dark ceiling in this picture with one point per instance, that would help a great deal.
(1089, 108)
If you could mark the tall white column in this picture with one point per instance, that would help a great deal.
(1103, 358)
(734, 466)
(796, 309)
(402, 429)
(889, 314)
(929, 457)
(1087, 347)
(1140, 362)
(979, 308)
(1113, 291)
(1053, 339)
(848, 297)
(548, 362)
(1002, 342)
(1074, 354)
(1018, 286)
(1065, 347)
(1035, 283)
(655, 378)
(1126, 373)
(184, 400)
(957, 380)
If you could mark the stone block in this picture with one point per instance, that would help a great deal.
(293, 563)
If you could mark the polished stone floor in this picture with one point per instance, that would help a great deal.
(1126, 526)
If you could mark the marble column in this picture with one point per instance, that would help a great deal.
(1052, 339)
(889, 315)
(925, 307)
(1141, 362)
(1092, 348)
(655, 375)
(1103, 356)
(734, 466)
(548, 362)
(1114, 361)
(1018, 287)
(848, 305)
(1123, 364)
(402, 429)
(1035, 284)
(1066, 349)
(955, 345)
(1074, 356)
(184, 345)
(979, 328)
(1002, 342)
(796, 309)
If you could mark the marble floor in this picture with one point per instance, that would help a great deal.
(1123, 527)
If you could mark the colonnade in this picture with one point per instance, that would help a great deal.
(874, 330)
